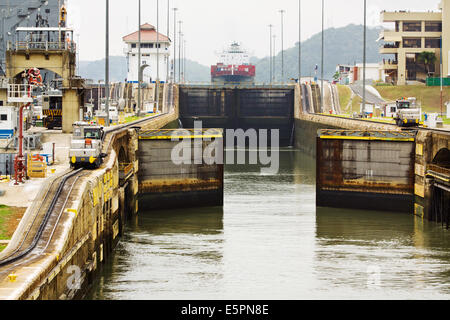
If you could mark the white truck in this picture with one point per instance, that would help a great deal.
(86, 146)
(406, 115)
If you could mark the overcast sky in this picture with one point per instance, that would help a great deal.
(209, 25)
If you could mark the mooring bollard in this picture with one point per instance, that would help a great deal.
(12, 277)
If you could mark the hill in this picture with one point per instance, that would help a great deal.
(95, 70)
(342, 46)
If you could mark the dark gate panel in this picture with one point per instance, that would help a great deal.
(240, 108)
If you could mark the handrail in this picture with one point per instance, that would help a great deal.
(44, 45)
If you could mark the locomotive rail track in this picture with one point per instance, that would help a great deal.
(41, 229)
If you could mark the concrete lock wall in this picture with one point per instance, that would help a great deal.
(88, 230)
(307, 125)
(164, 184)
(375, 175)
(90, 226)
(428, 145)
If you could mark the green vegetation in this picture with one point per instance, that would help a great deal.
(446, 120)
(345, 94)
(383, 84)
(9, 219)
(134, 118)
(5, 214)
(2, 247)
(356, 104)
(428, 59)
(343, 46)
(428, 97)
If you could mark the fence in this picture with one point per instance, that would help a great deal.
(436, 82)
(7, 164)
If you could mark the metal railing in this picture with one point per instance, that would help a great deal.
(20, 92)
(44, 46)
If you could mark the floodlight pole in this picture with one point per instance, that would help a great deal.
(363, 110)
(107, 65)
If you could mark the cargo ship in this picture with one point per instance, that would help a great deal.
(234, 67)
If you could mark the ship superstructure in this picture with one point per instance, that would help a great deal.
(234, 66)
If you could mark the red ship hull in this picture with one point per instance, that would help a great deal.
(233, 74)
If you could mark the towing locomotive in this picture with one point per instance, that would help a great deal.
(86, 146)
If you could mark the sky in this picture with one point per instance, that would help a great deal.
(210, 25)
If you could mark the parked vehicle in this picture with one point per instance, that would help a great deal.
(86, 146)
(406, 115)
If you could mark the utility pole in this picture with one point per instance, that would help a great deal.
(181, 58)
(179, 52)
(157, 45)
(174, 44)
(442, 82)
(59, 24)
(323, 27)
(107, 65)
(78, 54)
(185, 61)
(363, 109)
(270, 28)
(282, 44)
(299, 41)
(138, 107)
(168, 36)
(274, 58)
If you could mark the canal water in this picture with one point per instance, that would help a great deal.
(269, 241)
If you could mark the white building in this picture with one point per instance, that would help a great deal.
(373, 72)
(149, 54)
(350, 74)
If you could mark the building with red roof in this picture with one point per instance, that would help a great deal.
(154, 45)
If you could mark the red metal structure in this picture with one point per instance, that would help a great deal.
(34, 78)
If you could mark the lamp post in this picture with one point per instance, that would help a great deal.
(107, 65)
(157, 55)
(299, 41)
(138, 107)
(442, 80)
(282, 44)
(185, 62)
(322, 92)
(174, 44)
(179, 52)
(363, 109)
(274, 58)
(181, 57)
(78, 54)
(270, 28)
(157, 45)
(168, 36)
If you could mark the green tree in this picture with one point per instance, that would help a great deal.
(336, 76)
(428, 59)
